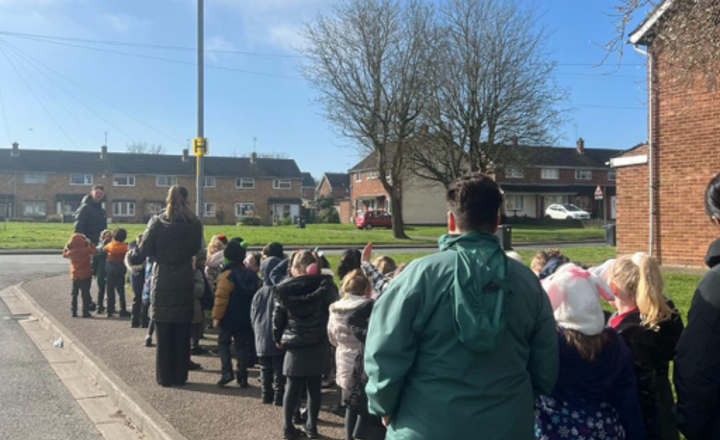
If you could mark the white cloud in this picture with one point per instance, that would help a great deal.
(217, 44)
(287, 36)
(124, 23)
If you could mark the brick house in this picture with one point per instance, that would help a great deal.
(661, 184)
(334, 185)
(43, 183)
(308, 187)
(549, 175)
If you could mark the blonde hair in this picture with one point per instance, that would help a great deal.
(215, 246)
(355, 283)
(106, 231)
(177, 204)
(539, 261)
(302, 260)
(644, 285)
(385, 265)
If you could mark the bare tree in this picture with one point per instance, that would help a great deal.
(493, 82)
(371, 61)
(145, 148)
(688, 33)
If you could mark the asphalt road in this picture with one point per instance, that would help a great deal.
(35, 403)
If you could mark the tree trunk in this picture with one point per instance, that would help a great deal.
(398, 225)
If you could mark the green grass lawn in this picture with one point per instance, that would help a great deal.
(55, 235)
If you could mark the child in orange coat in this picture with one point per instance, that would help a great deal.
(80, 251)
(116, 270)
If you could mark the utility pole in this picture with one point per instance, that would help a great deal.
(201, 149)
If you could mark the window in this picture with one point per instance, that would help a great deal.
(35, 179)
(612, 175)
(123, 209)
(209, 210)
(245, 183)
(282, 184)
(358, 177)
(514, 203)
(81, 179)
(372, 175)
(165, 181)
(34, 209)
(123, 180)
(550, 173)
(514, 173)
(210, 183)
(244, 210)
(583, 174)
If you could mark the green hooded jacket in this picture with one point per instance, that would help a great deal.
(460, 344)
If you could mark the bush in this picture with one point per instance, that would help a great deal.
(328, 215)
(250, 221)
(287, 221)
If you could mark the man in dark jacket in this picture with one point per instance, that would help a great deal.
(90, 218)
(697, 363)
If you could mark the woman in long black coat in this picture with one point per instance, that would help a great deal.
(697, 363)
(172, 238)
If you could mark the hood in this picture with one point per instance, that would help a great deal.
(88, 200)
(302, 295)
(247, 279)
(712, 258)
(349, 304)
(266, 267)
(480, 289)
(78, 241)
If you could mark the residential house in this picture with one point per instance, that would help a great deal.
(43, 183)
(308, 187)
(661, 184)
(334, 185)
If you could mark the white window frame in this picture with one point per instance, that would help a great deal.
(123, 208)
(209, 210)
(212, 180)
(241, 181)
(239, 210)
(86, 181)
(35, 179)
(580, 173)
(550, 173)
(34, 204)
(373, 175)
(164, 181)
(358, 177)
(612, 175)
(514, 173)
(278, 184)
(511, 203)
(128, 178)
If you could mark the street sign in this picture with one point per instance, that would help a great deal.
(599, 193)
(200, 146)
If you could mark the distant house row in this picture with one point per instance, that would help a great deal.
(43, 183)
(548, 175)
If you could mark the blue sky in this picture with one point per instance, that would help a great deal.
(265, 96)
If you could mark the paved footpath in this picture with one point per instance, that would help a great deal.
(198, 410)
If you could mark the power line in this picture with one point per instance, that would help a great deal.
(29, 61)
(37, 98)
(4, 112)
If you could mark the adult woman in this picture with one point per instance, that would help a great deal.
(172, 238)
(697, 377)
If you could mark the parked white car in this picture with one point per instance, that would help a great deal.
(566, 211)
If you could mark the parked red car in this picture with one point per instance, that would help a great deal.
(374, 219)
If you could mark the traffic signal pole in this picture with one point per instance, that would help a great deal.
(200, 152)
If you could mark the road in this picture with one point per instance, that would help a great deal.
(35, 403)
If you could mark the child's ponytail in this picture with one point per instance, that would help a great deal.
(651, 303)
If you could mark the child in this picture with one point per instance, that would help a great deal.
(146, 321)
(349, 261)
(385, 265)
(252, 262)
(651, 327)
(201, 291)
(346, 315)
(115, 270)
(270, 357)
(595, 396)
(99, 269)
(79, 250)
(236, 286)
(539, 261)
(135, 264)
(300, 327)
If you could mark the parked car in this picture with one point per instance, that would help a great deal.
(374, 219)
(566, 211)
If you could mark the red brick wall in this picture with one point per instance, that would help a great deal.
(633, 197)
(365, 187)
(346, 211)
(566, 176)
(308, 193)
(336, 193)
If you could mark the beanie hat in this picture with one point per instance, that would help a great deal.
(575, 297)
(233, 253)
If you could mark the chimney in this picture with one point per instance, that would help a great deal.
(514, 141)
(185, 155)
(103, 152)
(253, 158)
(15, 150)
(581, 146)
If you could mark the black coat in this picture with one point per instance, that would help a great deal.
(237, 314)
(172, 244)
(90, 219)
(652, 352)
(697, 363)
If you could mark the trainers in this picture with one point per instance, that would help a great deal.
(86, 315)
(198, 350)
(292, 433)
(100, 310)
(278, 399)
(242, 382)
(148, 341)
(310, 433)
(124, 314)
(194, 366)
(74, 314)
(225, 379)
(267, 399)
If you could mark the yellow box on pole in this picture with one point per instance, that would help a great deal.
(200, 146)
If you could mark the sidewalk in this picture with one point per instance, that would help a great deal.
(199, 410)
